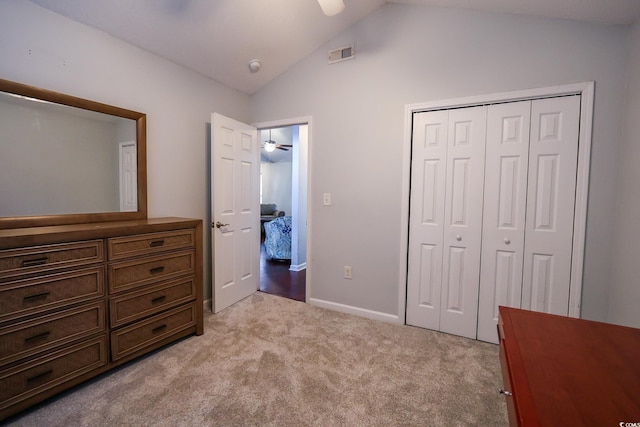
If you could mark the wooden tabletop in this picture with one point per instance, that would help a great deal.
(571, 372)
(19, 237)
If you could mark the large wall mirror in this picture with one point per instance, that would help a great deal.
(66, 160)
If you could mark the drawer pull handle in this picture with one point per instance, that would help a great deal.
(156, 243)
(159, 329)
(37, 337)
(159, 299)
(29, 298)
(505, 392)
(39, 376)
(156, 270)
(35, 261)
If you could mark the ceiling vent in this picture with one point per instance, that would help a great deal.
(342, 54)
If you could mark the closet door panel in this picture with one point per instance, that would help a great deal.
(463, 221)
(553, 157)
(506, 168)
(428, 167)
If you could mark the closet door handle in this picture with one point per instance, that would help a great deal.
(458, 237)
(507, 240)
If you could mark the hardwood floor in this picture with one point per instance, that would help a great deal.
(277, 279)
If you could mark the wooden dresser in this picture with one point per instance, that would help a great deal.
(78, 300)
(561, 371)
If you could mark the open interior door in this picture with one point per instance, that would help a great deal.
(235, 213)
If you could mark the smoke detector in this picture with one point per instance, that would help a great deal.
(342, 54)
(255, 65)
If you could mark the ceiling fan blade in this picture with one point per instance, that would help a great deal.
(285, 145)
(282, 148)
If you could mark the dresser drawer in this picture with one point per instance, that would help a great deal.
(27, 338)
(148, 244)
(150, 270)
(132, 306)
(37, 376)
(25, 297)
(14, 262)
(131, 339)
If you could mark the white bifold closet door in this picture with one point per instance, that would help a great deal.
(529, 208)
(494, 228)
(507, 166)
(446, 219)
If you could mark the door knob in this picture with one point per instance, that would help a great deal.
(218, 224)
(506, 240)
(458, 237)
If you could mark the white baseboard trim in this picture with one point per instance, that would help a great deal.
(298, 267)
(362, 312)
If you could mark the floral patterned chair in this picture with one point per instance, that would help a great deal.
(277, 243)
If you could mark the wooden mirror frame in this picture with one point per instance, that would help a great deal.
(141, 145)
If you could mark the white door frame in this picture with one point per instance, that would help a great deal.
(586, 90)
(304, 120)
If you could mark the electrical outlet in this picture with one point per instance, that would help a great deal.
(326, 199)
(348, 273)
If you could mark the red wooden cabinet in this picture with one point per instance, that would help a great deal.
(561, 371)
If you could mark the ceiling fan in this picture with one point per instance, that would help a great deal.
(270, 145)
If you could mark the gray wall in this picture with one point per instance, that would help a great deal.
(408, 54)
(624, 303)
(43, 49)
(405, 54)
(276, 184)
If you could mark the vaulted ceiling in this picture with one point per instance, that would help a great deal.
(218, 38)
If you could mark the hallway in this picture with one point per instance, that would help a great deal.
(277, 279)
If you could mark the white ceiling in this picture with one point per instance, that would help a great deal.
(218, 38)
